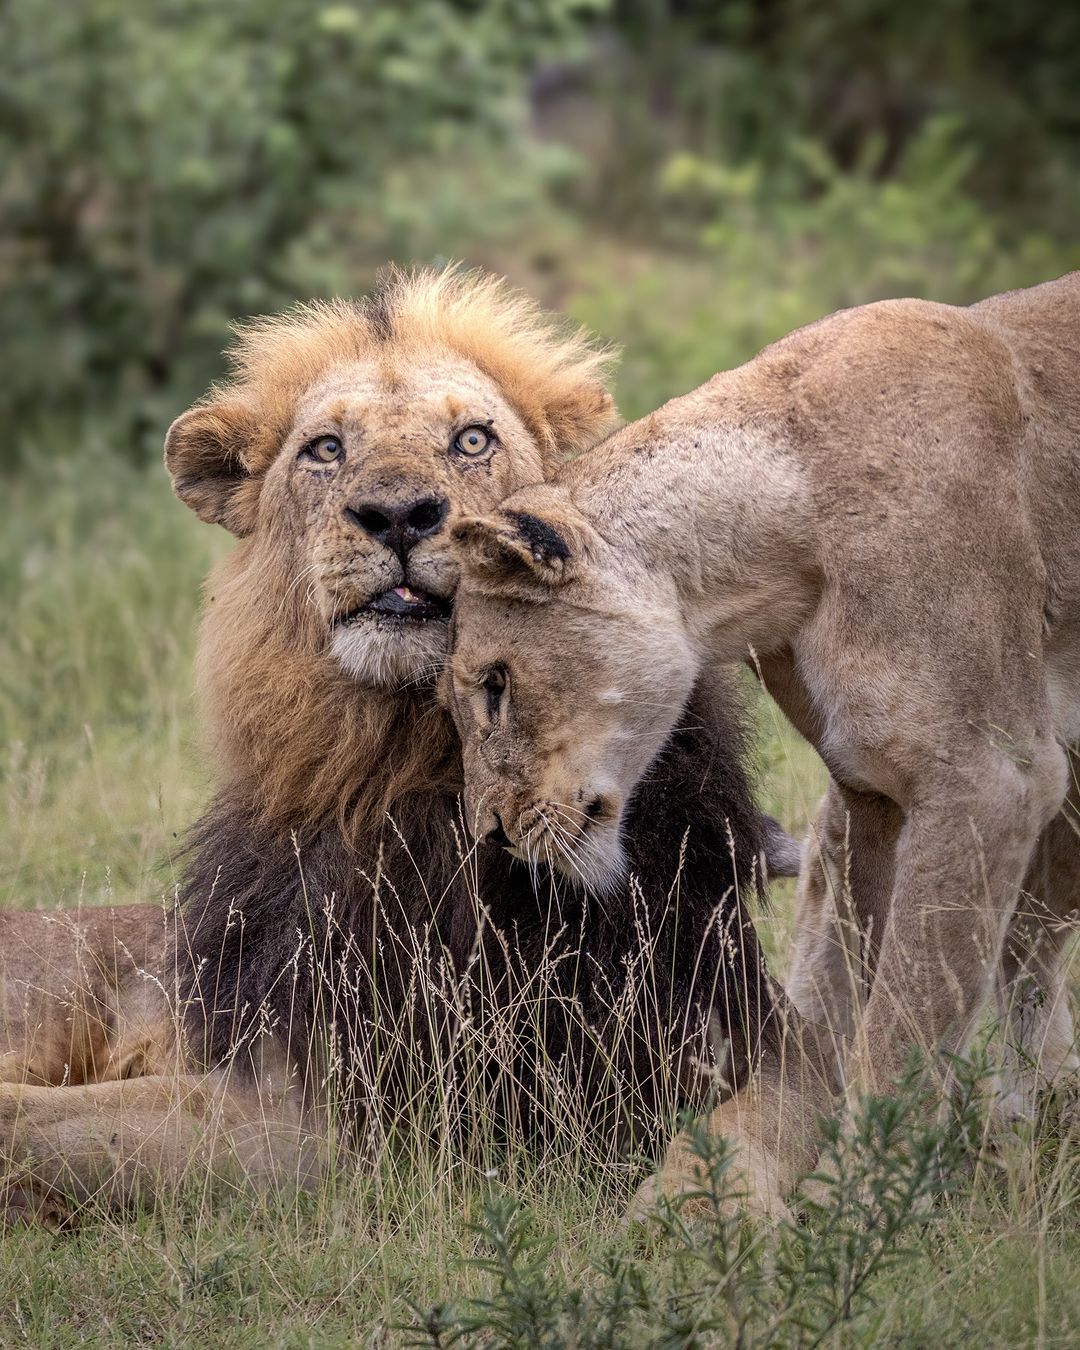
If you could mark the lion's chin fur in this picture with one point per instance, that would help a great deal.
(383, 653)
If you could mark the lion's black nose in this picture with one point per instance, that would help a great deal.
(400, 525)
(497, 836)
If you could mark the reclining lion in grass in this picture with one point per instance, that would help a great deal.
(878, 513)
(339, 949)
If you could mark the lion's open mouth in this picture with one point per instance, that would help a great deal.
(400, 603)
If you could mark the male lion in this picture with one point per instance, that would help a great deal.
(878, 512)
(331, 927)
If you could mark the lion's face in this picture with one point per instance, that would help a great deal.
(568, 674)
(376, 465)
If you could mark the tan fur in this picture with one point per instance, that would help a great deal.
(551, 374)
(127, 1142)
(70, 1005)
(831, 970)
(879, 514)
(290, 724)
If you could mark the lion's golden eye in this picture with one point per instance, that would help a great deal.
(472, 441)
(326, 449)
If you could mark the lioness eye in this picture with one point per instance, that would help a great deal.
(494, 685)
(472, 441)
(326, 449)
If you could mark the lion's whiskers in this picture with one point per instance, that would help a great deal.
(304, 572)
(426, 673)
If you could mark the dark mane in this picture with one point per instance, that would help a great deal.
(364, 965)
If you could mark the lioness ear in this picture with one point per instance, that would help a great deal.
(517, 547)
(205, 454)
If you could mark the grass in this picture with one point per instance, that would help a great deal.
(99, 577)
(99, 581)
(344, 1270)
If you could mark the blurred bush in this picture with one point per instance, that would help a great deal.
(168, 165)
(694, 176)
(749, 81)
(765, 264)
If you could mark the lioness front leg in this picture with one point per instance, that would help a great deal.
(840, 910)
(832, 962)
(966, 843)
(136, 1140)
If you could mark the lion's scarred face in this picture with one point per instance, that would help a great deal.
(375, 465)
(353, 433)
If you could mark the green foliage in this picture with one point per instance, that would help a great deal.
(750, 81)
(170, 165)
(100, 571)
(99, 604)
(916, 232)
(721, 1279)
(766, 264)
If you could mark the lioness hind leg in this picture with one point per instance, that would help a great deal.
(824, 978)
(67, 978)
(23, 1203)
(135, 1140)
(1033, 988)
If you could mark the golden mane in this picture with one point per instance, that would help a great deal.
(551, 371)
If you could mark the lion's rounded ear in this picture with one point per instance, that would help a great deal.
(580, 415)
(205, 454)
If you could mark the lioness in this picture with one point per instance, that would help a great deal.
(331, 925)
(879, 514)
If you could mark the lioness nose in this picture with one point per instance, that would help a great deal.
(400, 525)
(498, 834)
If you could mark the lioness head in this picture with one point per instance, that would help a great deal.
(350, 432)
(559, 715)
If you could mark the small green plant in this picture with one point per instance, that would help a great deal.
(719, 1279)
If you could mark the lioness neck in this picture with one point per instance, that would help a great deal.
(711, 497)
